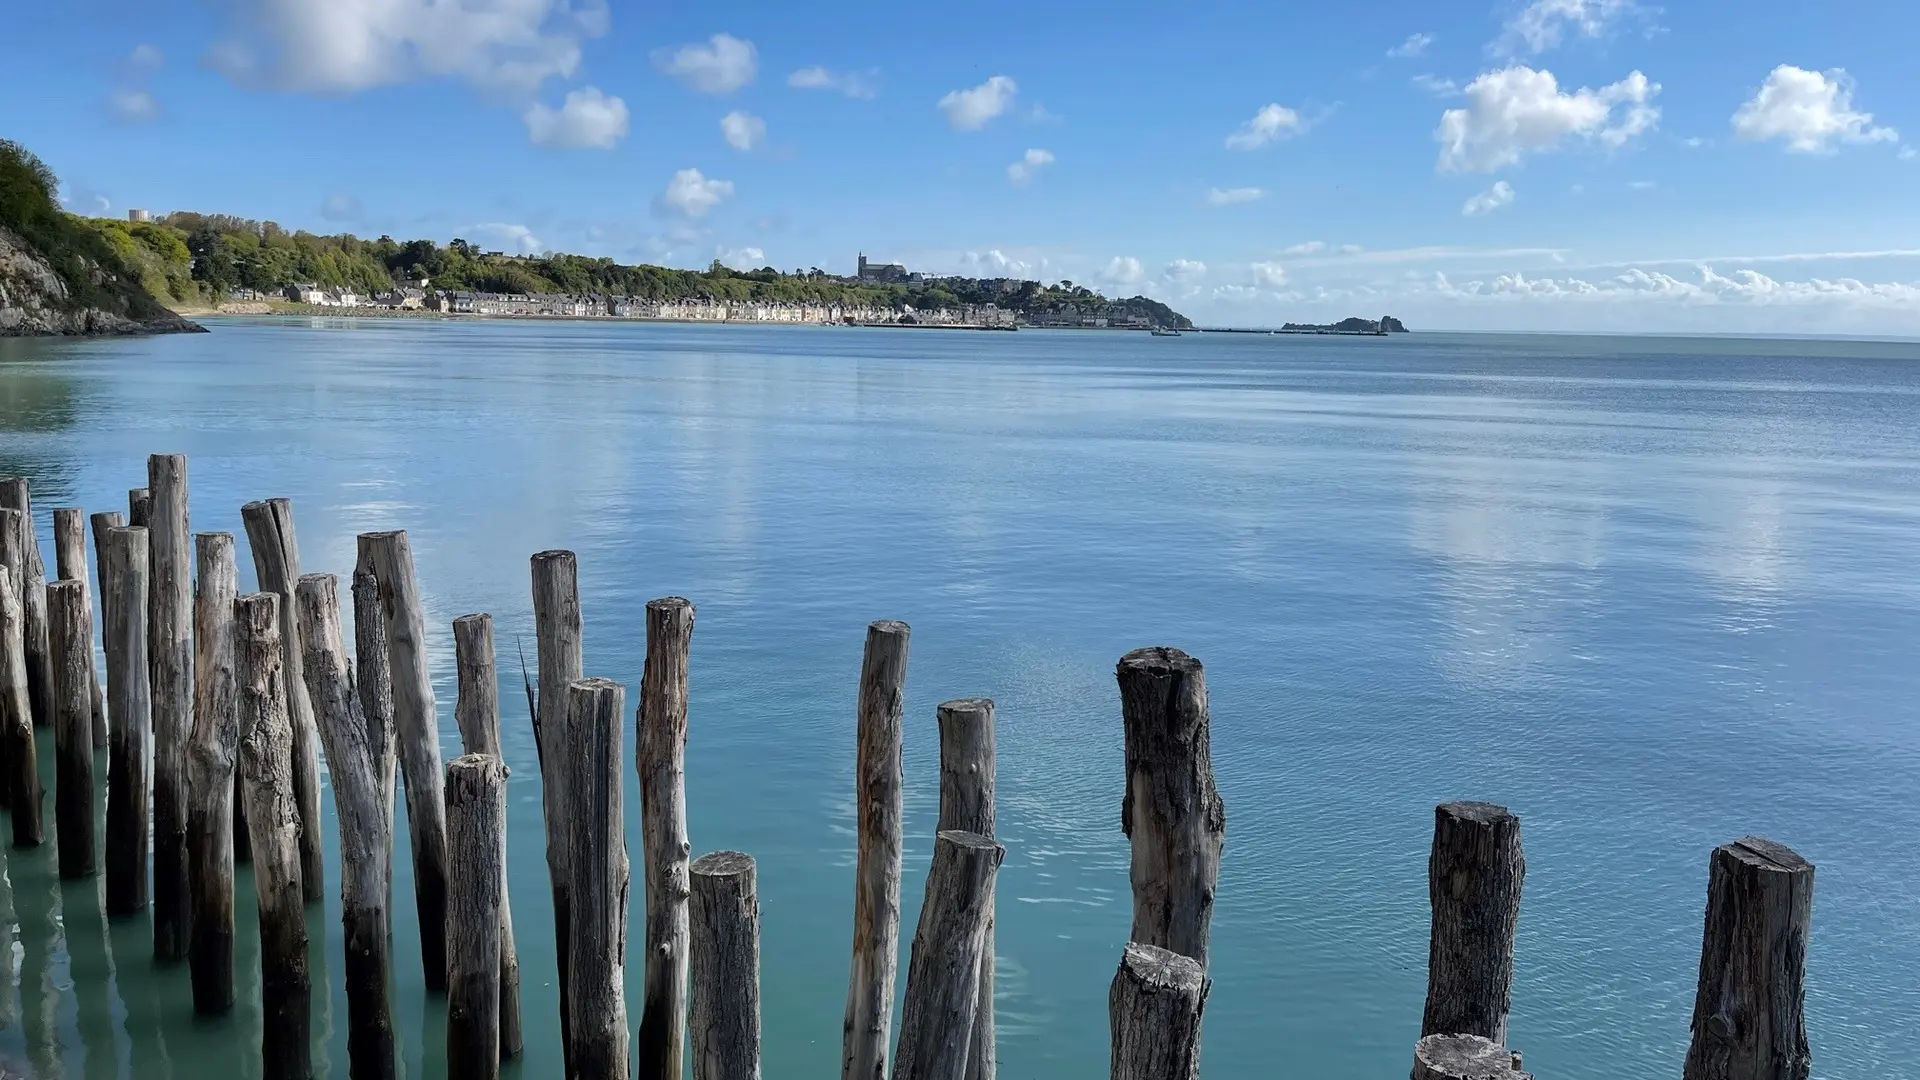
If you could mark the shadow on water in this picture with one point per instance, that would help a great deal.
(38, 397)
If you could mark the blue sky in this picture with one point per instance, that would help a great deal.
(1581, 164)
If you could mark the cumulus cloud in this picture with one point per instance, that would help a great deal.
(1233, 196)
(586, 120)
(1270, 274)
(690, 194)
(1495, 197)
(1810, 111)
(996, 264)
(853, 84)
(1415, 45)
(1543, 24)
(1272, 123)
(970, 110)
(507, 237)
(1182, 271)
(1308, 247)
(721, 66)
(1123, 270)
(332, 47)
(745, 258)
(1907, 153)
(1516, 111)
(341, 206)
(133, 106)
(1023, 171)
(131, 102)
(743, 130)
(1741, 287)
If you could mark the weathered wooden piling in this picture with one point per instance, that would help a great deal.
(139, 508)
(943, 976)
(1474, 880)
(70, 563)
(1749, 1014)
(477, 844)
(723, 1018)
(876, 887)
(1154, 1010)
(660, 755)
(70, 634)
(375, 687)
(170, 675)
(266, 757)
(597, 865)
(16, 708)
(214, 745)
(477, 711)
(123, 605)
(353, 750)
(1465, 1057)
(557, 626)
(417, 726)
(1171, 811)
(33, 594)
(966, 803)
(276, 567)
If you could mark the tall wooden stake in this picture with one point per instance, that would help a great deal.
(210, 775)
(557, 627)
(477, 844)
(660, 745)
(33, 592)
(139, 507)
(943, 977)
(966, 804)
(1154, 1009)
(16, 710)
(376, 697)
(597, 860)
(70, 633)
(276, 566)
(129, 703)
(170, 674)
(477, 710)
(876, 875)
(100, 523)
(1474, 878)
(1749, 1016)
(70, 562)
(724, 1006)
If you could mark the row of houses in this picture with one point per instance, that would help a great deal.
(466, 302)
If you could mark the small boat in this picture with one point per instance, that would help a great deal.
(1161, 331)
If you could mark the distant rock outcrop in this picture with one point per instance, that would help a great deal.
(1387, 324)
(34, 301)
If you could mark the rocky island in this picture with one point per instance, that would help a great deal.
(1386, 324)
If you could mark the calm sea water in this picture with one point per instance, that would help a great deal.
(1652, 594)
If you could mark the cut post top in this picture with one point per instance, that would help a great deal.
(1479, 813)
(1158, 662)
(722, 864)
(1161, 970)
(1767, 856)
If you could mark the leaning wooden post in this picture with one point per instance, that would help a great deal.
(557, 626)
(33, 592)
(16, 708)
(724, 1006)
(100, 523)
(70, 562)
(266, 757)
(1749, 1016)
(139, 508)
(477, 710)
(70, 633)
(276, 566)
(1171, 811)
(1465, 1057)
(597, 861)
(1474, 879)
(660, 756)
(417, 725)
(943, 976)
(375, 686)
(170, 667)
(966, 803)
(123, 606)
(1154, 1012)
(477, 844)
(210, 772)
(876, 875)
(366, 841)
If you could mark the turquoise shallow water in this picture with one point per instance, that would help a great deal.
(1652, 594)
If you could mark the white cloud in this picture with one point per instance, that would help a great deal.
(1907, 153)
(1023, 171)
(146, 56)
(506, 237)
(330, 46)
(1123, 270)
(746, 258)
(1270, 274)
(586, 120)
(853, 84)
(1310, 247)
(1437, 86)
(1415, 45)
(996, 264)
(721, 66)
(743, 131)
(691, 194)
(1351, 249)
(341, 206)
(970, 110)
(133, 106)
(1233, 196)
(1542, 24)
(1516, 111)
(1181, 271)
(1495, 197)
(1272, 122)
(1742, 287)
(1809, 111)
(1641, 185)
(1693, 142)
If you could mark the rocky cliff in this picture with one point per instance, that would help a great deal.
(34, 300)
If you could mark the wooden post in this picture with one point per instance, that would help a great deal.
(1749, 1016)
(100, 523)
(70, 562)
(417, 725)
(139, 507)
(660, 756)
(966, 803)
(1474, 878)
(597, 862)
(1154, 1011)
(876, 875)
(376, 697)
(1465, 1057)
(1171, 811)
(123, 605)
(170, 674)
(477, 710)
(210, 772)
(943, 977)
(16, 710)
(477, 845)
(276, 566)
(266, 758)
(70, 634)
(33, 591)
(557, 626)
(366, 839)
(724, 1007)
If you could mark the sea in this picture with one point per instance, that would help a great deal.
(1652, 594)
